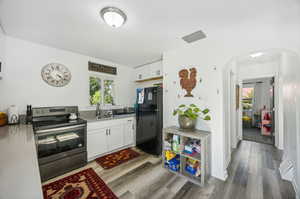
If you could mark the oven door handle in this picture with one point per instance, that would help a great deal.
(76, 127)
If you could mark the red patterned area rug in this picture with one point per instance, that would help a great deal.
(114, 159)
(85, 184)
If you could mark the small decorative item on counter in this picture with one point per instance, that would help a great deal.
(173, 164)
(13, 115)
(3, 119)
(187, 115)
(28, 114)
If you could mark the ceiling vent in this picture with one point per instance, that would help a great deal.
(194, 36)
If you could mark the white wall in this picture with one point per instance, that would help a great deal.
(2, 48)
(23, 83)
(206, 95)
(254, 70)
(291, 107)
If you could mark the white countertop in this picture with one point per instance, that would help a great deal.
(93, 119)
(19, 172)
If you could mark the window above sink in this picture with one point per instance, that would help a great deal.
(102, 90)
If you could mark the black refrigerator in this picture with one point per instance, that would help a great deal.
(149, 119)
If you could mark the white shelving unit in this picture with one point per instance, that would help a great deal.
(203, 158)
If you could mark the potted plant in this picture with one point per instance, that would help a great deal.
(188, 115)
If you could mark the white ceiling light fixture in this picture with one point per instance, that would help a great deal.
(256, 54)
(113, 16)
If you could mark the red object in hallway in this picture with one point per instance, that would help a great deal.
(266, 123)
(85, 184)
(114, 159)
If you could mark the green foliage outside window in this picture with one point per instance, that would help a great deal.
(108, 92)
(95, 90)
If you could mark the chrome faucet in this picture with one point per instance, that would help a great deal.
(98, 112)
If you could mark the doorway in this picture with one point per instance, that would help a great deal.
(258, 110)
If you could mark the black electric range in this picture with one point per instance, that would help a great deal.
(60, 142)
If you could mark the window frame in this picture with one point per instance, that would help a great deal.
(102, 79)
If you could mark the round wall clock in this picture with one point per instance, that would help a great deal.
(56, 75)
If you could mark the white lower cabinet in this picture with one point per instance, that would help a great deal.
(106, 136)
(129, 132)
(97, 140)
(115, 137)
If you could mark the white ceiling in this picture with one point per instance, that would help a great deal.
(153, 26)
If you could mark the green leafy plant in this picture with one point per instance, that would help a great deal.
(192, 112)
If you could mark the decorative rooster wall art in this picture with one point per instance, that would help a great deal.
(188, 80)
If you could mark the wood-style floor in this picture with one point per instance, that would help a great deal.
(254, 134)
(253, 174)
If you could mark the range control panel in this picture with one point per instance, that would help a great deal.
(51, 111)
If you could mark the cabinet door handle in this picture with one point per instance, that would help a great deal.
(106, 131)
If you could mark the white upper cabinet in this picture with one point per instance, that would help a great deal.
(149, 71)
(141, 73)
(155, 69)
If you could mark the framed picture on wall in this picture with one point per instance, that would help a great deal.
(237, 97)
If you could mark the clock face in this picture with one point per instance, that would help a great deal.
(56, 75)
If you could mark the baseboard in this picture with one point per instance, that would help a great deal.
(225, 175)
(221, 175)
(294, 183)
(287, 172)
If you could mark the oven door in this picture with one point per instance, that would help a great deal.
(57, 143)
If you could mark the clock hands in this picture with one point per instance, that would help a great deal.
(59, 76)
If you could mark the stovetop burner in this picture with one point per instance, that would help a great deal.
(48, 124)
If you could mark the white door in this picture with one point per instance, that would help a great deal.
(97, 142)
(115, 137)
(128, 132)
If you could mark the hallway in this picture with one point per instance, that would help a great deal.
(254, 174)
(254, 134)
